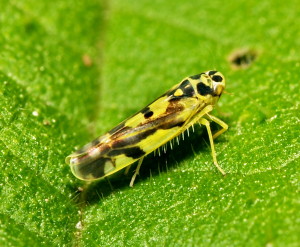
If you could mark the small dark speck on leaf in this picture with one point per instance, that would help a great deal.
(242, 58)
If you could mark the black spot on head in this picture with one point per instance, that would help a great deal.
(217, 78)
(184, 84)
(212, 72)
(148, 114)
(187, 91)
(203, 89)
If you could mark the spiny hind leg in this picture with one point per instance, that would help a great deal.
(205, 122)
(219, 122)
(137, 170)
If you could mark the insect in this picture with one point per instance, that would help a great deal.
(185, 104)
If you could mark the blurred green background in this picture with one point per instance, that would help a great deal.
(71, 70)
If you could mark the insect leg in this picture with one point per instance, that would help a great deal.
(211, 140)
(219, 122)
(136, 171)
(127, 170)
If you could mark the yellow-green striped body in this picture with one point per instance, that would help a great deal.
(155, 125)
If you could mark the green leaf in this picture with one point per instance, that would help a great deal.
(69, 71)
(45, 101)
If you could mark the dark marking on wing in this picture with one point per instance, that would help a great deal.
(96, 142)
(132, 152)
(174, 107)
(204, 89)
(145, 110)
(117, 128)
(96, 168)
(146, 129)
(85, 157)
(83, 149)
(165, 122)
(148, 114)
(86, 147)
(134, 139)
(171, 124)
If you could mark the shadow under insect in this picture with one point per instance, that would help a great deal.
(191, 142)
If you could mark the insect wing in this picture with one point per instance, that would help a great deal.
(139, 135)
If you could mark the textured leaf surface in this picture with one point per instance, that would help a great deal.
(69, 72)
(45, 90)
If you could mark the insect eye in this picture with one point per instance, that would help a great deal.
(218, 89)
